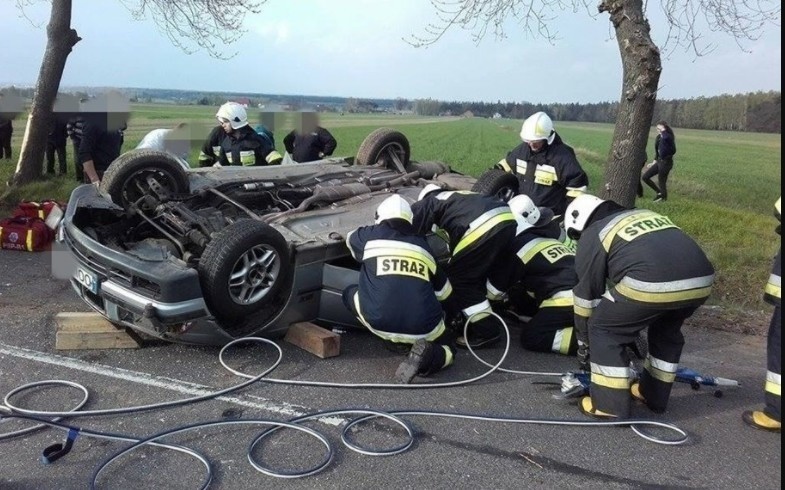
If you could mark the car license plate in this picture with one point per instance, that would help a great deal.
(87, 279)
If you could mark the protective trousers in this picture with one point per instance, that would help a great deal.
(614, 324)
(439, 334)
(468, 273)
(774, 366)
(551, 330)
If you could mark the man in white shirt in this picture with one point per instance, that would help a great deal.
(174, 141)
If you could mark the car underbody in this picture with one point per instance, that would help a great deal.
(209, 255)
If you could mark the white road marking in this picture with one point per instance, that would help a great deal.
(176, 385)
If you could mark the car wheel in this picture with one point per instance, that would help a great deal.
(385, 147)
(243, 268)
(140, 174)
(497, 182)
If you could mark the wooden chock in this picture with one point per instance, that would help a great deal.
(314, 339)
(89, 330)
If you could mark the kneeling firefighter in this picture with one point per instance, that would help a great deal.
(479, 227)
(659, 277)
(543, 268)
(401, 286)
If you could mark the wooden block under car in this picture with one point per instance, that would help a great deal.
(315, 339)
(79, 330)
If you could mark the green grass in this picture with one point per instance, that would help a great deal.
(722, 188)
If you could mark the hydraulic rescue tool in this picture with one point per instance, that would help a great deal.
(576, 384)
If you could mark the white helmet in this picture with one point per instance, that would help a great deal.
(394, 207)
(536, 127)
(427, 190)
(234, 113)
(526, 212)
(578, 213)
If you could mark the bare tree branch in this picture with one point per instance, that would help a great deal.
(743, 20)
(209, 24)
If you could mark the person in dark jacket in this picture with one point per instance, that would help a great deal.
(312, 142)
(544, 268)
(242, 145)
(6, 131)
(636, 271)
(400, 289)
(547, 168)
(770, 418)
(100, 144)
(56, 141)
(664, 149)
(478, 228)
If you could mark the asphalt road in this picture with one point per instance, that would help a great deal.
(447, 452)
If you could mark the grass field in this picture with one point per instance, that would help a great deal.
(722, 189)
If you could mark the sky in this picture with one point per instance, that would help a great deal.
(358, 48)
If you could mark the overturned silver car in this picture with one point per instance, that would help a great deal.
(209, 255)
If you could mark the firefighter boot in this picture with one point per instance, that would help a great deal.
(418, 361)
(635, 391)
(761, 420)
(587, 408)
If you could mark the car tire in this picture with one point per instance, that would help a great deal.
(129, 176)
(384, 146)
(243, 269)
(497, 182)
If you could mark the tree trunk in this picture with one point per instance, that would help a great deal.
(60, 39)
(640, 59)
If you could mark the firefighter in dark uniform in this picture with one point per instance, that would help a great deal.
(770, 418)
(211, 149)
(478, 228)
(242, 145)
(547, 169)
(312, 142)
(401, 286)
(658, 277)
(544, 269)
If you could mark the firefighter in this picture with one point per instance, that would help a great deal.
(547, 169)
(770, 418)
(211, 148)
(401, 286)
(658, 277)
(479, 228)
(312, 142)
(242, 145)
(544, 269)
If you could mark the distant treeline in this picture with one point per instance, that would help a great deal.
(757, 111)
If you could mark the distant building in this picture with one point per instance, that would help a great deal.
(467, 114)
(244, 101)
(496, 115)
